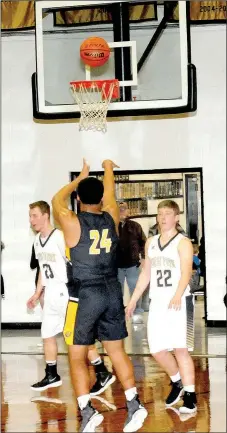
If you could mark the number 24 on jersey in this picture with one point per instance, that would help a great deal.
(99, 241)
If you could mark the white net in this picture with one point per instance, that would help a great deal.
(93, 100)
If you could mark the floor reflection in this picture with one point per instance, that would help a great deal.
(56, 411)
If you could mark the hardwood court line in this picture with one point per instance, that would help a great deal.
(144, 355)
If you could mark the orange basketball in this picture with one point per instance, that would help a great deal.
(94, 51)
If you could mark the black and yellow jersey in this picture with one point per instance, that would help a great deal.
(95, 253)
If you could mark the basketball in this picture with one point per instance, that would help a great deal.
(95, 51)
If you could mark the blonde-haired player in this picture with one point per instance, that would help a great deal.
(49, 248)
(168, 268)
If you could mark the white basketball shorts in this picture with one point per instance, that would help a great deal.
(168, 329)
(54, 310)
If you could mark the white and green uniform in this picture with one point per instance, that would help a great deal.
(50, 253)
(167, 328)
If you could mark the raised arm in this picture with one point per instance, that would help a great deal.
(109, 199)
(63, 215)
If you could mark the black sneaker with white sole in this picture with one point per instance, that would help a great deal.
(136, 415)
(104, 380)
(189, 403)
(51, 380)
(91, 418)
(175, 394)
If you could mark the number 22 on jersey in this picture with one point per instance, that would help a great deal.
(99, 241)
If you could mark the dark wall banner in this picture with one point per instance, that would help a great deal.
(16, 15)
(20, 15)
(102, 15)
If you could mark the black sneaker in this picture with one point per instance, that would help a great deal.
(136, 415)
(175, 393)
(189, 405)
(104, 380)
(51, 380)
(91, 418)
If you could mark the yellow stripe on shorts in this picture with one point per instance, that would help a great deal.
(67, 252)
(70, 319)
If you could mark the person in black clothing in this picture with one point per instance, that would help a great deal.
(130, 254)
(201, 256)
(95, 308)
(34, 264)
(155, 230)
(195, 278)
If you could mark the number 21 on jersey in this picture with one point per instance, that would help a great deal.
(99, 241)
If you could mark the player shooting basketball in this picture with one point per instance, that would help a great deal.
(92, 238)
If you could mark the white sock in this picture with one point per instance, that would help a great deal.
(130, 393)
(176, 377)
(83, 401)
(51, 362)
(97, 361)
(189, 388)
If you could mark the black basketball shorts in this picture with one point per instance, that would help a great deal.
(95, 312)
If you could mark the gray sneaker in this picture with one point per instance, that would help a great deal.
(136, 415)
(91, 418)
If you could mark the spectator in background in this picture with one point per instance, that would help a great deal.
(2, 280)
(154, 230)
(225, 300)
(201, 256)
(131, 253)
(195, 279)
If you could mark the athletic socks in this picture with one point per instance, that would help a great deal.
(83, 401)
(130, 393)
(189, 388)
(176, 377)
(97, 361)
(99, 366)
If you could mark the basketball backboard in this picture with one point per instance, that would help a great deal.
(150, 56)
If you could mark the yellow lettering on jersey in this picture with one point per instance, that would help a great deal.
(105, 242)
(94, 235)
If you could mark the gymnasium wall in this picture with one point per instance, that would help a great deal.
(37, 159)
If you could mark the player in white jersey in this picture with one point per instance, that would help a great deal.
(50, 250)
(168, 268)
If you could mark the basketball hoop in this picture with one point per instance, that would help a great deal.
(93, 99)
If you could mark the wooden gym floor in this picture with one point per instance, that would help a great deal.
(55, 410)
